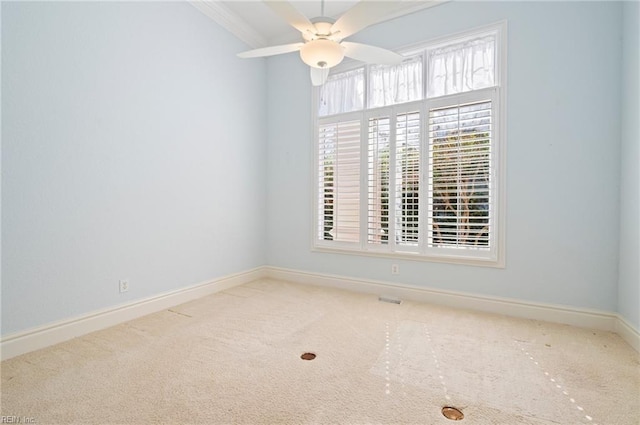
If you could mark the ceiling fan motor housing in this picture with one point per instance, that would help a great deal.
(322, 53)
(323, 26)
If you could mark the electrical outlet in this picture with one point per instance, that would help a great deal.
(124, 285)
(395, 269)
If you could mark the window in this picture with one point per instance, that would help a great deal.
(460, 175)
(410, 158)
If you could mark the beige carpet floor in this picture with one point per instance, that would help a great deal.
(234, 358)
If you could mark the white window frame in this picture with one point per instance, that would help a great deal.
(497, 94)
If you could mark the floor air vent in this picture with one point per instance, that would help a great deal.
(389, 300)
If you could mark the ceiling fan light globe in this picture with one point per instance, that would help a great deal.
(322, 53)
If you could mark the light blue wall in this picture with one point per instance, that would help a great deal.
(563, 155)
(629, 282)
(133, 146)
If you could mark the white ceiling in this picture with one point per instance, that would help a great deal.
(274, 28)
(257, 25)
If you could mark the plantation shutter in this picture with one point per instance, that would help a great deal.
(460, 183)
(407, 179)
(393, 180)
(378, 181)
(339, 181)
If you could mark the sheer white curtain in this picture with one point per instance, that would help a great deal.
(389, 85)
(453, 68)
(461, 67)
(343, 92)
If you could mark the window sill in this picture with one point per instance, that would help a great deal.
(447, 259)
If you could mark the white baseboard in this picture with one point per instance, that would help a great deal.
(628, 333)
(54, 333)
(584, 318)
(592, 319)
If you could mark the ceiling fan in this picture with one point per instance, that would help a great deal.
(323, 46)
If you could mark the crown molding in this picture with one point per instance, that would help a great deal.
(408, 7)
(230, 21)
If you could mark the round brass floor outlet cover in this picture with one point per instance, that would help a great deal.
(452, 413)
(308, 356)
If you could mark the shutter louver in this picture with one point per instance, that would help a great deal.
(339, 181)
(460, 176)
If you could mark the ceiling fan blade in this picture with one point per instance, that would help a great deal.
(363, 14)
(319, 75)
(371, 54)
(286, 11)
(271, 50)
